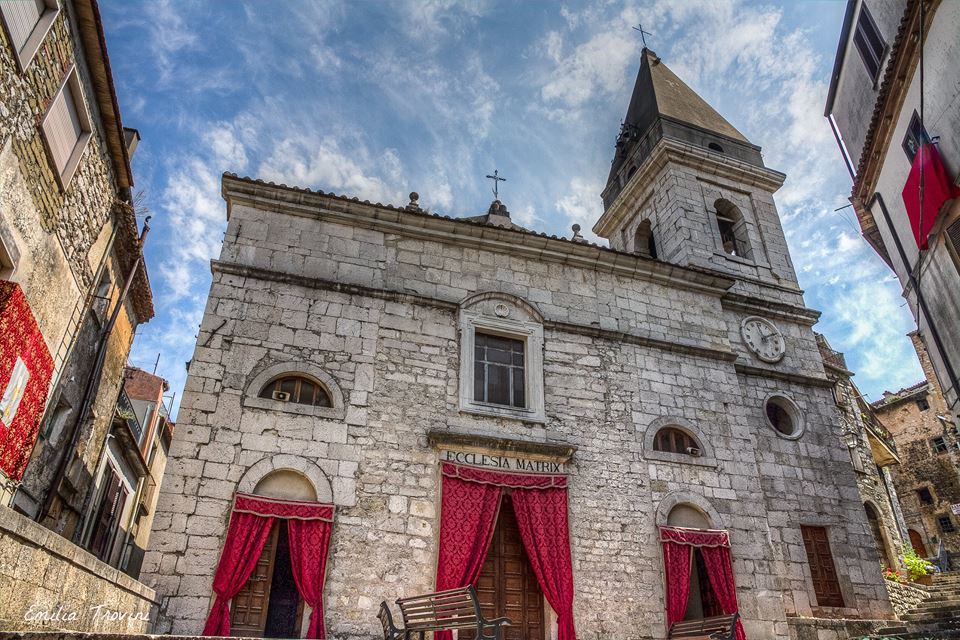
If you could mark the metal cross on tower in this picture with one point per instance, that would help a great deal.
(643, 34)
(496, 183)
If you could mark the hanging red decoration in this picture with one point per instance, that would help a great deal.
(25, 371)
(469, 506)
(309, 525)
(937, 189)
(714, 545)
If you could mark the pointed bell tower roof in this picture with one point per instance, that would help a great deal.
(660, 96)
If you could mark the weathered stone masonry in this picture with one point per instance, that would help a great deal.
(370, 295)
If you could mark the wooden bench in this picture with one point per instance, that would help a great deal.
(715, 628)
(453, 609)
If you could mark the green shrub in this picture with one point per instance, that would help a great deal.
(916, 566)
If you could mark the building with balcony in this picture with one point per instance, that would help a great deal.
(125, 490)
(894, 108)
(73, 289)
(873, 454)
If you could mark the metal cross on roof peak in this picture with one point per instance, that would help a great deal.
(496, 183)
(643, 34)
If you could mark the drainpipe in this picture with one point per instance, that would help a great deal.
(93, 383)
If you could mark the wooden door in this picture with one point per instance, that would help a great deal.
(822, 570)
(917, 543)
(248, 610)
(507, 585)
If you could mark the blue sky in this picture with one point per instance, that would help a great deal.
(376, 99)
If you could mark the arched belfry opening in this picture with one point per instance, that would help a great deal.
(644, 243)
(733, 229)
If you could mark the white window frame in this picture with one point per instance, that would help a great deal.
(39, 33)
(531, 334)
(72, 79)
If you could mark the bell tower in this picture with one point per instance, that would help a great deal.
(687, 187)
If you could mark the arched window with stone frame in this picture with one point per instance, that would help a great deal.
(674, 439)
(298, 389)
(295, 387)
(732, 226)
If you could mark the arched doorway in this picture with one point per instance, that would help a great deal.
(702, 602)
(873, 517)
(916, 541)
(269, 605)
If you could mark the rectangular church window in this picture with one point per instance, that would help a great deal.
(822, 570)
(925, 496)
(499, 373)
(869, 43)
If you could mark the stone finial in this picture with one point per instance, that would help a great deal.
(413, 205)
(576, 234)
(497, 208)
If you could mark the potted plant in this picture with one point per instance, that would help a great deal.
(894, 575)
(919, 570)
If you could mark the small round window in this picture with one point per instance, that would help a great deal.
(784, 416)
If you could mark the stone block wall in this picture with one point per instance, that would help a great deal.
(49, 584)
(376, 312)
(904, 597)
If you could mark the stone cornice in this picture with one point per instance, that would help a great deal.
(787, 376)
(439, 439)
(424, 226)
(669, 150)
(793, 313)
(642, 340)
(691, 348)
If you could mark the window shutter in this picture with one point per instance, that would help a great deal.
(62, 127)
(869, 42)
(953, 237)
(21, 17)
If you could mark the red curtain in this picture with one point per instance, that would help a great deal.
(20, 337)
(542, 519)
(937, 189)
(720, 572)
(309, 540)
(677, 561)
(245, 539)
(468, 514)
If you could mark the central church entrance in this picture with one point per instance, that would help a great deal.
(507, 585)
(268, 605)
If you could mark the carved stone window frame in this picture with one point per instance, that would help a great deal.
(508, 321)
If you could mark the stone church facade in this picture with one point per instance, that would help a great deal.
(369, 357)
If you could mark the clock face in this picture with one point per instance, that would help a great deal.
(763, 338)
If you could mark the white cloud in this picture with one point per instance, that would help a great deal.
(323, 164)
(582, 205)
(594, 67)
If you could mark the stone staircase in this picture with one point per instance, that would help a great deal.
(936, 618)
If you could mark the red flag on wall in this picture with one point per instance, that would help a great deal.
(25, 370)
(937, 189)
